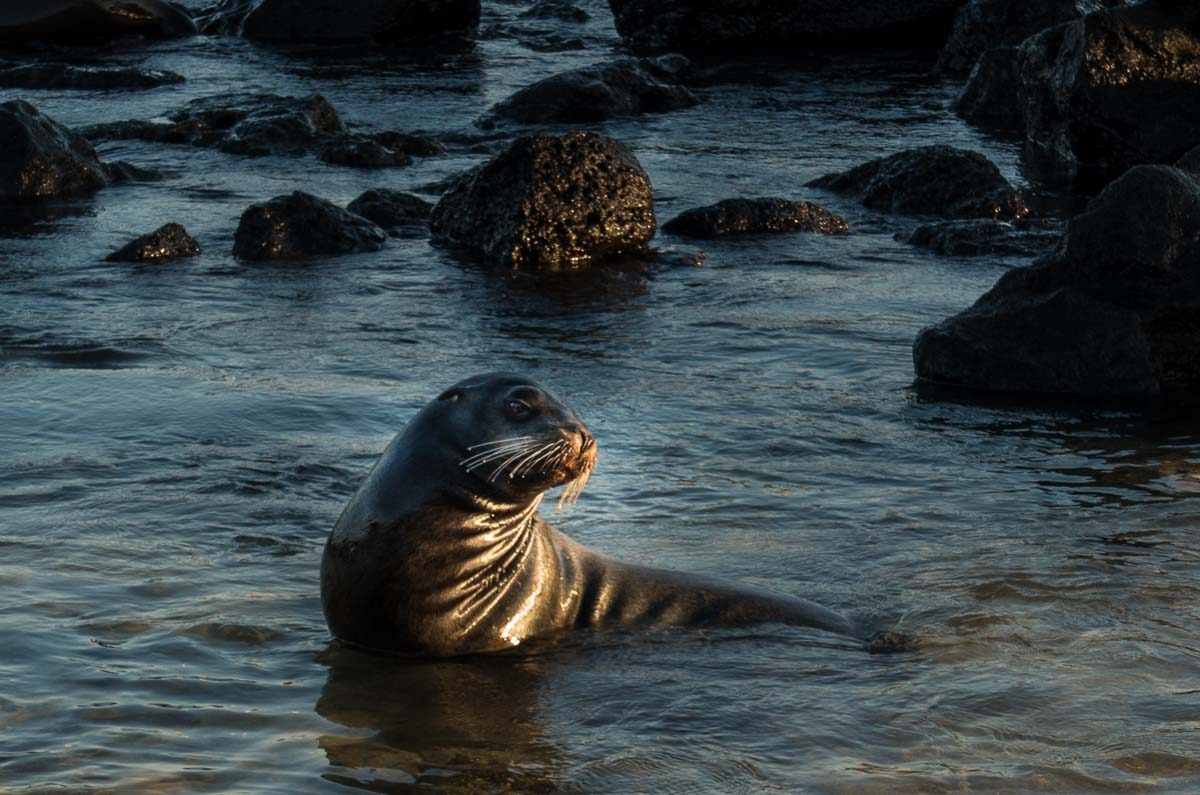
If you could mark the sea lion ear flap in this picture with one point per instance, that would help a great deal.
(454, 393)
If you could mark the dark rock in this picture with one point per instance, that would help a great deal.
(410, 144)
(166, 243)
(1114, 311)
(319, 20)
(119, 171)
(750, 25)
(931, 180)
(301, 225)
(984, 237)
(556, 9)
(361, 152)
(550, 202)
(984, 24)
(1110, 91)
(59, 76)
(392, 210)
(1190, 161)
(755, 216)
(248, 124)
(625, 87)
(91, 22)
(40, 158)
(990, 98)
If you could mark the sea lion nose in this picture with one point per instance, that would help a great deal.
(586, 441)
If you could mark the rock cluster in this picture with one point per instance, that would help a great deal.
(1114, 311)
(266, 124)
(90, 21)
(752, 25)
(319, 20)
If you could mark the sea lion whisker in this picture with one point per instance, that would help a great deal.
(500, 454)
(524, 462)
(504, 464)
(538, 456)
(499, 441)
(496, 452)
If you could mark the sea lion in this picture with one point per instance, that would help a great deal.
(90, 21)
(441, 551)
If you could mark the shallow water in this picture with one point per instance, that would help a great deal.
(179, 439)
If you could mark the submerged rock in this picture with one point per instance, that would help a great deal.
(90, 21)
(301, 225)
(625, 87)
(247, 124)
(1112, 90)
(363, 153)
(984, 24)
(40, 158)
(1114, 311)
(550, 202)
(755, 216)
(704, 26)
(168, 242)
(931, 180)
(379, 150)
(984, 237)
(266, 124)
(319, 20)
(59, 76)
(392, 210)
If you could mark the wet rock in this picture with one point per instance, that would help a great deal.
(301, 225)
(755, 216)
(392, 210)
(1190, 161)
(984, 237)
(380, 150)
(363, 152)
(983, 24)
(247, 124)
(40, 158)
(1110, 91)
(59, 76)
(534, 38)
(382, 21)
(931, 180)
(550, 202)
(90, 22)
(119, 171)
(703, 26)
(990, 98)
(556, 9)
(1114, 311)
(168, 242)
(266, 124)
(625, 87)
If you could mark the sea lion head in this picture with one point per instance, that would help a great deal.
(511, 437)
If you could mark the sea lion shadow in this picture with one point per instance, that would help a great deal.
(468, 723)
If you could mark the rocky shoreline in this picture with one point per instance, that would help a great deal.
(1101, 96)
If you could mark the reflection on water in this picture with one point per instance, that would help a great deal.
(464, 725)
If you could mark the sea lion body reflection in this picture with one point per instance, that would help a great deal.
(442, 552)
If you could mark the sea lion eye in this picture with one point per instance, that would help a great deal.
(518, 408)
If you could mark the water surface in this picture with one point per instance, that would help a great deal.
(179, 439)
